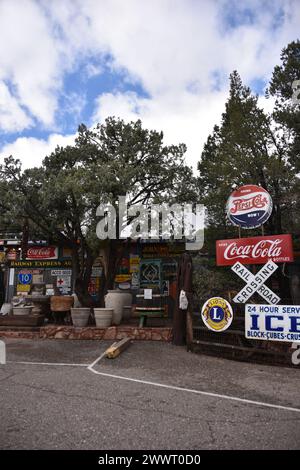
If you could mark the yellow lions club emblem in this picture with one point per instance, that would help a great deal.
(217, 314)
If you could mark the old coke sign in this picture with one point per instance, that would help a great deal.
(42, 252)
(255, 250)
(249, 206)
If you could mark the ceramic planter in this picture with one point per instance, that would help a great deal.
(80, 316)
(103, 317)
(117, 299)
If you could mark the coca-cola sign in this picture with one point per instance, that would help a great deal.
(42, 252)
(249, 206)
(255, 250)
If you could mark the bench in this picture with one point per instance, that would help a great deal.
(153, 312)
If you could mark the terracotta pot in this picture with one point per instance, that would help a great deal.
(80, 316)
(117, 299)
(103, 317)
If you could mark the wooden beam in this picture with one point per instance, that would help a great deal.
(116, 348)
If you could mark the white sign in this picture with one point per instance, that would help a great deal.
(61, 272)
(97, 271)
(11, 277)
(255, 283)
(148, 294)
(273, 322)
(63, 281)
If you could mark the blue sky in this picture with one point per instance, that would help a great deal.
(164, 61)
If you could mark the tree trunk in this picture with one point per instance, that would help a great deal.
(84, 297)
(82, 275)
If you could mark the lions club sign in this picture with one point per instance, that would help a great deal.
(249, 206)
(217, 314)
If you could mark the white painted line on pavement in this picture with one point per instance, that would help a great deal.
(49, 363)
(2, 352)
(90, 366)
(190, 390)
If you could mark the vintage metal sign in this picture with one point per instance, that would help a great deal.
(249, 206)
(255, 250)
(25, 278)
(217, 314)
(61, 272)
(273, 322)
(42, 252)
(63, 281)
(255, 283)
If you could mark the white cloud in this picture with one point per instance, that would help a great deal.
(12, 117)
(32, 151)
(175, 49)
(189, 120)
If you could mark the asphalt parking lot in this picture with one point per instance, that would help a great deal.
(154, 396)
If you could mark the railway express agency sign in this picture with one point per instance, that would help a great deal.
(273, 322)
(249, 206)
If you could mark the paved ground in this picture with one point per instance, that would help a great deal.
(71, 407)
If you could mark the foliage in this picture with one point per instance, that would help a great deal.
(247, 148)
(61, 197)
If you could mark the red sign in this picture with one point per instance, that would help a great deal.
(42, 252)
(255, 250)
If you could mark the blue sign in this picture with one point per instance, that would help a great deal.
(25, 278)
(272, 322)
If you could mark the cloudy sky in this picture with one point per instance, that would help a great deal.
(63, 62)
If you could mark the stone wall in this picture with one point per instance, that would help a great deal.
(89, 333)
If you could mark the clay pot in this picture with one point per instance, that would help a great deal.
(117, 299)
(80, 316)
(103, 317)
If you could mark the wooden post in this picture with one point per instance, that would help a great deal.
(189, 324)
(116, 348)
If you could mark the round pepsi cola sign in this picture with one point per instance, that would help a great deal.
(249, 206)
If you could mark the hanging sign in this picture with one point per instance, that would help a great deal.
(255, 250)
(249, 206)
(217, 314)
(273, 322)
(255, 283)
